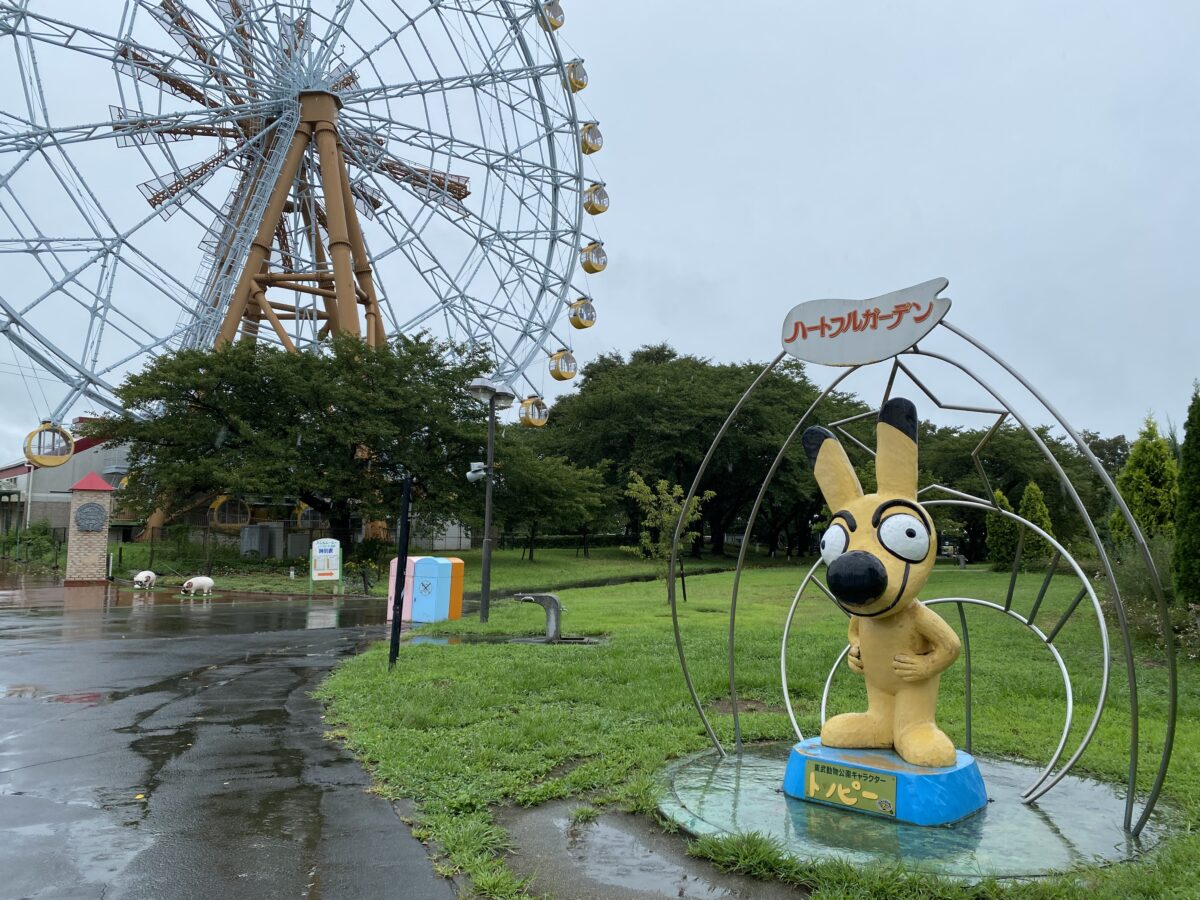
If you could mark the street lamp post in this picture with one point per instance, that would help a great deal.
(497, 398)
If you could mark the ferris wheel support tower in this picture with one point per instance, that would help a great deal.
(351, 278)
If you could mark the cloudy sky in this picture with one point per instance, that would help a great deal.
(1041, 155)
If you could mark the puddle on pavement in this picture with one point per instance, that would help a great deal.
(616, 857)
(44, 607)
(609, 855)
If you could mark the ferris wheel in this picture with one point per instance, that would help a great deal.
(186, 173)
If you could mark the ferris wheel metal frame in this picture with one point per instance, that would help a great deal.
(467, 163)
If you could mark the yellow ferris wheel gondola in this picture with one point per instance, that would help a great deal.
(533, 413)
(552, 16)
(563, 366)
(305, 516)
(576, 77)
(49, 445)
(595, 199)
(582, 313)
(590, 138)
(228, 511)
(593, 258)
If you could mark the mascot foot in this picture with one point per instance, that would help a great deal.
(924, 744)
(856, 730)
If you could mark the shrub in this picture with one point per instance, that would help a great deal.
(1033, 510)
(1186, 558)
(1001, 535)
(1141, 606)
(1149, 482)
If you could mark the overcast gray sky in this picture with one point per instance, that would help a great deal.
(1041, 155)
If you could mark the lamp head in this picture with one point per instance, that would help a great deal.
(481, 389)
(504, 397)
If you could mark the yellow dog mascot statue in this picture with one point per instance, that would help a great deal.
(880, 549)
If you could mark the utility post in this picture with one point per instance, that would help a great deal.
(497, 398)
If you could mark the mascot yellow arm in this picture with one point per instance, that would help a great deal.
(944, 643)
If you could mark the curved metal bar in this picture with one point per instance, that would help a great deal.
(1062, 668)
(829, 682)
(1160, 597)
(1037, 604)
(675, 548)
(1100, 701)
(737, 572)
(966, 643)
(787, 627)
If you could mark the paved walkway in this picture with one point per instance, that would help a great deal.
(167, 750)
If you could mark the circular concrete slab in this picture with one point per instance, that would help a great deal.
(1078, 822)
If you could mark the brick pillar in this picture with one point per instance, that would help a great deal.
(87, 531)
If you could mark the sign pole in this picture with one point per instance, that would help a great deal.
(397, 598)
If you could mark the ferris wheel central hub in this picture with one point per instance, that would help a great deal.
(319, 106)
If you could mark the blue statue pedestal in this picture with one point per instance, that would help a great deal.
(880, 783)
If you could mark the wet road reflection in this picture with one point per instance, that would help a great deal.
(41, 607)
(153, 745)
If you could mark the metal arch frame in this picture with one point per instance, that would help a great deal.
(1118, 602)
(737, 572)
(1156, 581)
(691, 494)
(519, 330)
(1040, 787)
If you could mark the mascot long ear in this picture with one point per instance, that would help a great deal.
(835, 476)
(896, 448)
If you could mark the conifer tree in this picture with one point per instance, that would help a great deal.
(1185, 560)
(1001, 534)
(1149, 482)
(1033, 509)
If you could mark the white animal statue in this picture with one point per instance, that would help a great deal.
(201, 584)
(144, 579)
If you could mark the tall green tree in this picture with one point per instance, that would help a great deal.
(656, 413)
(1033, 509)
(338, 430)
(1002, 534)
(538, 493)
(1149, 482)
(1185, 559)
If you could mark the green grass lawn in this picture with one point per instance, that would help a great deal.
(549, 569)
(464, 728)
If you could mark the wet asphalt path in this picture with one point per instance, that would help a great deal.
(150, 748)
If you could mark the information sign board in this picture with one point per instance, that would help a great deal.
(325, 561)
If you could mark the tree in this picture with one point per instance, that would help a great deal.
(1185, 560)
(656, 414)
(659, 509)
(1033, 509)
(537, 493)
(338, 430)
(1001, 534)
(1149, 482)
(1110, 452)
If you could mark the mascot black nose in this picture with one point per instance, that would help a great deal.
(857, 578)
